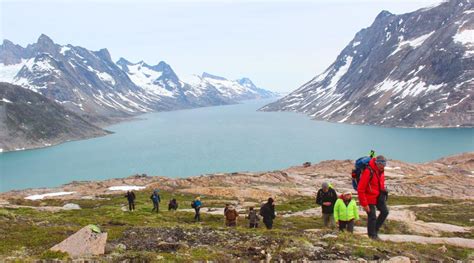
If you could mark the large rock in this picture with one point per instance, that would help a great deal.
(84, 242)
(399, 259)
(71, 206)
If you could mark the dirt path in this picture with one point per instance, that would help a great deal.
(398, 238)
(453, 241)
(403, 214)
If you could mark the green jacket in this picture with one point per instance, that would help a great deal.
(345, 213)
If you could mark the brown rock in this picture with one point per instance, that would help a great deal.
(83, 243)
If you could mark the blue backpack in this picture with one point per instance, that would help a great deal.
(360, 165)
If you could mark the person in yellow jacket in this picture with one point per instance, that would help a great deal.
(346, 212)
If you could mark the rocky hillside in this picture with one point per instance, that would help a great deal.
(30, 120)
(422, 225)
(427, 179)
(409, 70)
(92, 85)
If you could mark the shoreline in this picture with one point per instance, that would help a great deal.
(371, 125)
(425, 179)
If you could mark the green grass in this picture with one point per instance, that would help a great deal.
(296, 204)
(415, 200)
(456, 214)
(28, 233)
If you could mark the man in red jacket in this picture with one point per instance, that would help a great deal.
(372, 195)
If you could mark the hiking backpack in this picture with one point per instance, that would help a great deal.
(360, 165)
(193, 204)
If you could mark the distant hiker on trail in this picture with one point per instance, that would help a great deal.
(131, 200)
(373, 196)
(196, 204)
(173, 205)
(155, 198)
(267, 211)
(326, 198)
(253, 218)
(346, 212)
(231, 216)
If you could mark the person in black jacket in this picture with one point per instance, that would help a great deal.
(326, 198)
(173, 205)
(267, 211)
(131, 200)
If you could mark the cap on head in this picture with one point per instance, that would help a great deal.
(270, 200)
(380, 160)
(198, 198)
(347, 193)
(325, 185)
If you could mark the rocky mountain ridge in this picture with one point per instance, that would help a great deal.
(103, 92)
(409, 70)
(30, 120)
(92, 85)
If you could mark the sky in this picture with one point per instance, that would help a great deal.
(279, 44)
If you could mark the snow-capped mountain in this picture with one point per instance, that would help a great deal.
(86, 82)
(409, 70)
(241, 89)
(204, 90)
(92, 85)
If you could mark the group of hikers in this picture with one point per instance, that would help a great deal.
(368, 180)
(155, 198)
(267, 213)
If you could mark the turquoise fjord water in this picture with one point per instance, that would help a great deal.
(220, 139)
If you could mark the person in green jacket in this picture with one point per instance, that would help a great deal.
(346, 212)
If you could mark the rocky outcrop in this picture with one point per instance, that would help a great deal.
(409, 70)
(427, 179)
(84, 242)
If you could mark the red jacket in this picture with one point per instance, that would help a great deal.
(368, 192)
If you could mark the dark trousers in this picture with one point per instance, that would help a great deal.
(268, 223)
(253, 225)
(346, 225)
(131, 205)
(231, 223)
(197, 215)
(374, 223)
(156, 207)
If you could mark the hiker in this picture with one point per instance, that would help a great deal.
(155, 198)
(196, 204)
(326, 198)
(173, 205)
(346, 212)
(373, 196)
(253, 218)
(131, 200)
(231, 216)
(267, 211)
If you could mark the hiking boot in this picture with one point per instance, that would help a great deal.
(375, 238)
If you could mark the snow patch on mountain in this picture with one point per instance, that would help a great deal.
(414, 43)
(5, 100)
